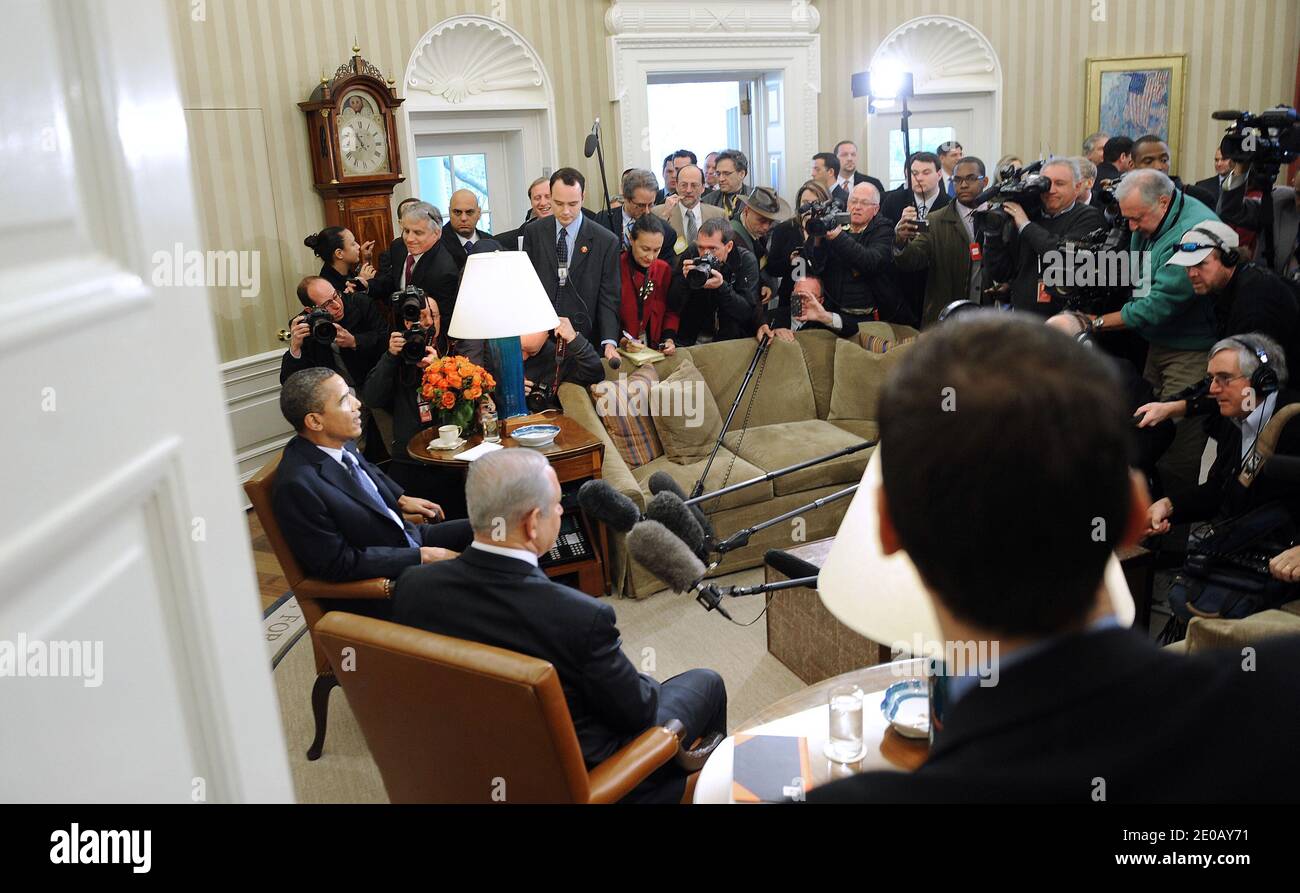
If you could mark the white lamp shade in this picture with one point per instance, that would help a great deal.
(882, 596)
(500, 296)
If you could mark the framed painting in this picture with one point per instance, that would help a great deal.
(1137, 95)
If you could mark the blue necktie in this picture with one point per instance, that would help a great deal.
(372, 492)
(952, 188)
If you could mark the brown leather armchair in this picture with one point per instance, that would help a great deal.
(313, 595)
(453, 721)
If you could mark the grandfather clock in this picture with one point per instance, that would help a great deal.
(352, 138)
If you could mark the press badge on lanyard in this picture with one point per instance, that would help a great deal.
(426, 410)
(976, 253)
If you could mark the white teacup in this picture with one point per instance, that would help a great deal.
(448, 434)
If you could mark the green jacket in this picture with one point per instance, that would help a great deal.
(944, 252)
(1172, 315)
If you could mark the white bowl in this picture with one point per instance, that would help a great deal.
(535, 435)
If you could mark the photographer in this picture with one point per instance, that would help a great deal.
(858, 260)
(909, 207)
(807, 310)
(343, 332)
(543, 375)
(790, 249)
(714, 290)
(418, 259)
(1015, 252)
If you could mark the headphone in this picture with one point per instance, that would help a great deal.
(1085, 336)
(1264, 379)
(1231, 256)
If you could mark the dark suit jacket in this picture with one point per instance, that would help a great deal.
(1105, 171)
(508, 603)
(1154, 726)
(455, 250)
(859, 177)
(719, 199)
(944, 255)
(1211, 187)
(1017, 260)
(334, 531)
(361, 317)
(591, 299)
(435, 272)
(613, 221)
(856, 274)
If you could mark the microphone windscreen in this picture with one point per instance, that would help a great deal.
(662, 482)
(793, 567)
(655, 548)
(599, 500)
(589, 148)
(615, 362)
(668, 509)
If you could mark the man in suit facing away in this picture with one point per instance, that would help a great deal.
(341, 515)
(1070, 707)
(495, 594)
(577, 261)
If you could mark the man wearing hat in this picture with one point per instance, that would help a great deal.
(760, 210)
(687, 214)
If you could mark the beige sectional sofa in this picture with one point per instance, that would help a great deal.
(814, 396)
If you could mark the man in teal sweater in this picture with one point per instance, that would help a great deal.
(1177, 323)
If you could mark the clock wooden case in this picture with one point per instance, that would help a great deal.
(352, 140)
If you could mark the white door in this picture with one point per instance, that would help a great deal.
(473, 161)
(965, 117)
(771, 168)
(123, 552)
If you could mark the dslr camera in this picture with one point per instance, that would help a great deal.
(408, 304)
(418, 340)
(823, 217)
(701, 270)
(1025, 186)
(321, 323)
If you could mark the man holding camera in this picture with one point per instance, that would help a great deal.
(952, 252)
(1246, 213)
(337, 331)
(1015, 253)
(858, 259)
(807, 309)
(910, 207)
(715, 288)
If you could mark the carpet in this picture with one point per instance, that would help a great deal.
(663, 635)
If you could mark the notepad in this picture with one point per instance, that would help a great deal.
(770, 769)
(642, 356)
(481, 450)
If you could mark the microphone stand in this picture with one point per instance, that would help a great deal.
(780, 472)
(740, 538)
(698, 489)
(710, 597)
(600, 156)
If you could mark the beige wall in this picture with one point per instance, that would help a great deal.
(246, 67)
(1240, 53)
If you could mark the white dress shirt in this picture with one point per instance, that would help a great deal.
(506, 552)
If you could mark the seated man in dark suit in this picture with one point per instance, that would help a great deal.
(1082, 710)
(494, 593)
(341, 515)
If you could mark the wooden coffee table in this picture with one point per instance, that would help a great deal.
(576, 454)
(809, 639)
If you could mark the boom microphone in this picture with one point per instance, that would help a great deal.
(589, 147)
(790, 565)
(662, 482)
(601, 501)
(659, 551)
(1226, 115)
(669, 510)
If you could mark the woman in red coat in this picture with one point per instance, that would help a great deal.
(644, 312)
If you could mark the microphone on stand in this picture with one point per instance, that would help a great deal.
(599, 500)
(671, 512)
(790, 565)
(659, 551)
(589, 147)
(662, 482)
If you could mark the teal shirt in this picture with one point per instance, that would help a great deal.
(1172, 315)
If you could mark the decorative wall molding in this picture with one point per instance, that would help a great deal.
(668, 36)
(469, 55)
(944, 54)
(252, 390)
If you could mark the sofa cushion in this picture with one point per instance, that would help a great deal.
(623, 406)
(818, 346)
(784, 392)
(776, 446)
(1207, 633)
(685, 415)
(859, 428)
(859, 377)
(685, 476)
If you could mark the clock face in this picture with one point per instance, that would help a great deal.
(363, 135)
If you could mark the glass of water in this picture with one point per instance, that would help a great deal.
(844, 743)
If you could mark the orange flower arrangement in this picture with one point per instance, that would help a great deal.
(453, 385)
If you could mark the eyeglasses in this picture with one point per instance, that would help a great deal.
(1222, 378)
(973, 178)
(337, 299)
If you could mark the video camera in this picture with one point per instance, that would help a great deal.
(1267, 140)
(1106, 245)
(825, 216)
(1023, 185)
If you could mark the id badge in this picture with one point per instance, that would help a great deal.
(1043, 296)
(426, 411)
(976, 252)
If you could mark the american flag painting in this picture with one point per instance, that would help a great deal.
(1134, 103)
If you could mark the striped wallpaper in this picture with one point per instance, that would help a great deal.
(247, 63)
(1240, 54)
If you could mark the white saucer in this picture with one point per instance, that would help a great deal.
(437, 446)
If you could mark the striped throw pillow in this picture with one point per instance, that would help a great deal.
(624, 407)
